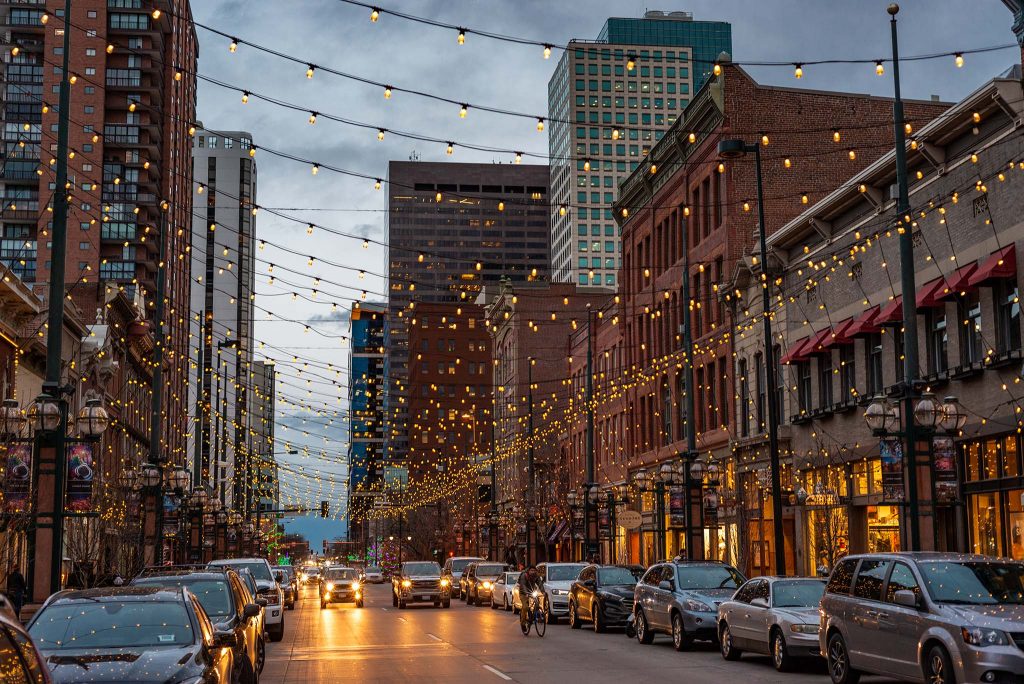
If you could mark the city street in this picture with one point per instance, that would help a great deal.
(468, 644)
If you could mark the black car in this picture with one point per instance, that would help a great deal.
(290, 583)
(480, 578)
(602, 594)
(340, 585)
(226, 599)
(131, 634)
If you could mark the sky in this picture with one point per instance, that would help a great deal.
(482, 71)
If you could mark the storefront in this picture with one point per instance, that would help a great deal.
(994, 495)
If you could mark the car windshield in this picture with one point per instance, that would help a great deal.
(312, 572)
(112, 624)
(511, 577)
(341, 574)
(373, 569)
(562, 573)
(797, 594)
(288, 570)
(609, 576)
(974, 582)
(421, 569)
(214, 594)
(489, 570)
(460, 565)
(260, 571)
(708, 577)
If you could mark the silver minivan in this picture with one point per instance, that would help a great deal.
(924, 617)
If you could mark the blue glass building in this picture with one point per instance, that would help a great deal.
(366, 406)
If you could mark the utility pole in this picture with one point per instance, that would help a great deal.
(531, 498)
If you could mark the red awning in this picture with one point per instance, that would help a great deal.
(841, 334)
(866, 324)
(892, 313)
(817, 343)
(797, 351)
(1002, 264)
(927, 295)
(959, 282)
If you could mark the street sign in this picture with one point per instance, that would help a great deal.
(629, 519)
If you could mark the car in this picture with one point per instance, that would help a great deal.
(20, 660)
(374, 574)
(290, 583)
(131, 634)
(480, 578)
(340, 585)
(266, 588)
(501, 591)
(228, 604)
(603, 595)
(776, 616)
(453, 569)
(558, 579)
(924, 616)
(310, 575)
(681, 598)
(420, 582)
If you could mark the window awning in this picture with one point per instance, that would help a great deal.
(797, 351)
(958, 282)
(1002, 264)
(928, 295)
(891, 313)
(817, 343)
(841, 334)
(865, 324)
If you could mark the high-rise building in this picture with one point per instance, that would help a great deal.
(365, 408)
(129, 152)
(263, 465)
(610, 100)
(451, 229)
(222, 311)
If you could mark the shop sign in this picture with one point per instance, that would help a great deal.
(891, 451)
(710, 506)
(947, 489)
(604, 523)
(677, 506)
(629, 519)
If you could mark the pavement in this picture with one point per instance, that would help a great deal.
(379, 643)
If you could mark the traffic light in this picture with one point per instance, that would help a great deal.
(324, 509)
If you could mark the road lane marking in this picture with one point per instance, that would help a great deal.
(498, 672)
(403, 619)
(434, 637)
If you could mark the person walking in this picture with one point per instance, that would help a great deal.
(16, 587)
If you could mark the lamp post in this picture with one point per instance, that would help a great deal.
(196, 504)
(614, 499)
(221, 533)
(572, 498)
(531, 524)
(734, 149)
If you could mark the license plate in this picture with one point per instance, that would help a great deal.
(424, 598)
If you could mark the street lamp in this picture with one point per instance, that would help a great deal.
(93, 419)
(734, 149)
(953, 416)
(44, 414)
(12, 421)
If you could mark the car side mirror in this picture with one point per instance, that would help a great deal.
(251, 610)
(590, 584)
(907, 598)
(261, 602)
(225, 640)
(759, 602)
(667, 585)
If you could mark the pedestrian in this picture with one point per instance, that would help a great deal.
(16, 587)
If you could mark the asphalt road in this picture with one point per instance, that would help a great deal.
(379, 643)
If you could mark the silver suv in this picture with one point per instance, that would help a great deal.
(924, 617)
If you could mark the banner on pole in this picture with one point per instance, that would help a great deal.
(80, 471)
(17, 476)
(677, 506)
(947, 489)
(891, 451)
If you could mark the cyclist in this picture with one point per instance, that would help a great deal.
(529, 581)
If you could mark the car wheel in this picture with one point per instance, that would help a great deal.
(548, 617)
(261, 655)
(359, 603)
(278, 632)
(249, 673)
(401, 604)
(598, 620)
(782, 661)
(574, 618)
(504, 600)
(838, 658)
(725, 643)
(938, 668)
(394, 599)
(643, 631)
(447, 603)
(680, 640)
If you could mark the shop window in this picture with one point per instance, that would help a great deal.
(938, 342)
(971, 343)
(873, 347)
(803, 385)
(1015, 522)
(972, 458)
(825, 380)
(990, 460)
(986, 524)
(883, 529)
(847, 373)
(1011, 457)
(1007, 303)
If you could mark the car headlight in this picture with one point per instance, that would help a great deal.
(983, 636)
(487, 585)
(406, 583)
(330, 586)
(697, 606)
(559, 592)
(355, 586)
(805, 629)
(302, 578)
(445, 582)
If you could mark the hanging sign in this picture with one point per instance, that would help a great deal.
(947, 490)
(891, 451)
(710, 506)
(677, 506)
(629, 519)
(17, 476)
(604, 523)
(80, 471)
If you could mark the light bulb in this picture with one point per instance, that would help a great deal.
(803, 198)
(764, 140)
(156, 14)
(562, 210)
(376, 184)
(387, 92)
(654, 168)
(233, 46)
(547, 52)
(717, 70)
(746, 206)
(312, 118)
(879, 69)
(43, 18)
(787, 162)
(540, 124)
(501, 206)
(380, 134)
(316, 169)
(630, 63)
(309, 229)
(958, 59)
(835, 136)
(798, 71)
(252, 151)
(374, 15)
(15, 50)
(692, 138)
(721, 167)
(853, 155)
(245, 97)
(625, 212)
(110, 49)
(462, 36)
(519, 157)
(462, 111)
(976, 117)
(437, 197)
(586, 165)
(309, 70)
(908, 129)
(615, 134)
(451, 148)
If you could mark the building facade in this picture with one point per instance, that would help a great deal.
(610, 101)
(452, 228)
(223, 283)
(366, 384)
(129, 136)
(263, 462)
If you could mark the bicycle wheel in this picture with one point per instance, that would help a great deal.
(539, 623)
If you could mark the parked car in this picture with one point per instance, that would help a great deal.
(558, 579)
(266, 588)
(453, 569)
(374, 574)
(420, 582)
(935, 617)
(290, 584)
(20, 660)
(603, 595)
(227, 603)
(681, 598)
(501, 591)
(480, 578)
(131, 634)
(776, 616)
(340, 585)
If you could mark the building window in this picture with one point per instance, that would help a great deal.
(803, 385)
(744, 407)
(971, 344)
(847, 373)
(873, 349)
(938, 341)
(1007, 303)
(825, 380)
(759, 378)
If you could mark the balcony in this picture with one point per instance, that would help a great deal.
(117, 270)
(119, 232)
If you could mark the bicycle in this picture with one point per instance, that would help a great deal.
(534, 617)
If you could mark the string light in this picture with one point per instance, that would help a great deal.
(540, 123)
(787, 163)
(387, 92)
(380, 134)
(519, 157)
(312, 118)
(586, 164)
(547, 52)
(316, 169)
(764, 139)
(879, 69)
(245, 97)
(717, 69)
(234, 45)
(309, 70)
(798, 70)
(376, 184)
(463, 110)
(451, 148)
(853, 155)
(110, 49)
(615, 134)
(374, 15)
(836, 137)
(462, 36)
(630, 62)
(156, 14)
(958, 59)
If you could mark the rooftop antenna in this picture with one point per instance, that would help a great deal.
(414, 156)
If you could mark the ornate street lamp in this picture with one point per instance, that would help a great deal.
(12, 421)
(199, 496)
(881, 415)
(697, 470)
(44, 414)
(149, 475)
(177, 480)
(953, 416)
(221, 516)
(928, 412)
(93, 419)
